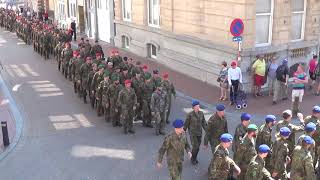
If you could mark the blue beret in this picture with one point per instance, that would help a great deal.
(284, 131)
(220, 107)
(316, 109)
(245, 117)
(263, 148)
(195, 103)
(178, 123)
(270, 118)
(308, 140)
(310, 127)
(226, 137)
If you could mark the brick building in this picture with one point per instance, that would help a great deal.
(192, 36)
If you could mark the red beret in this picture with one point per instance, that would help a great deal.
(145, 66)
(165, 75)
(128, 81)
(98, 54)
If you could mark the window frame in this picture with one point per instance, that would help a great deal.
(99, 4)
(303, 25)
(156, 50)
(126, 42)
(148, 6)
(270, 25)
(125, 10)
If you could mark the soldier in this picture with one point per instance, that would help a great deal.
(92, 72)
(66, 55)
(174, 145)
(97, 49)
(46, 44)
(72, 67)
(77, 78)
(265, 136)
(87, 48)
(81, 43)
(147, 90)
(217, 125)
(195, 122)
(137, 68)
(104, 90)
(96, 79)
(57, 51)
(117, 59)
(309, 130)
(302, 164)
(137, 84)
(113, 93)
(280, 155)
(124, 75)
(168, 86)
(246, 150)
(221, 164)
(256, 169)
(158, 106)
(84, 72)
(156, 77)
(127, 101)
(287, 115)
(240, 131)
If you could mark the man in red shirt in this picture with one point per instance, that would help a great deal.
(312, 68)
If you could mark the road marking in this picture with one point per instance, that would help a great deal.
(29, 70)
(17, 70)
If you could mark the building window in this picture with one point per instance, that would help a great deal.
(99, 4)
(72, 10)
(152, 51)
(126, 10)
(298, 19)
(154, 13)
(125, 42)
(107, 4)
(264, 17)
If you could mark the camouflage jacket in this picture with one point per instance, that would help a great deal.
(264, 136)
(302, 165)
(293, 128)
(127, 99)
(215, 128)
(280, 152)
(168, 86)
(174, 145)
(113, 93)
(256, 170)
(239, 133)
(245, 152)
(195, 122)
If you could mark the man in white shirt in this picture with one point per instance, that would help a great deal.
(234, 78)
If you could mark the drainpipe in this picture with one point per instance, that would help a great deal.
(112, 23)
(96, 36)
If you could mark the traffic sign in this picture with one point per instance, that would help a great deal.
(237, 39)
(236, 27)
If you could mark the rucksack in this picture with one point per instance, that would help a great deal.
(280, 72)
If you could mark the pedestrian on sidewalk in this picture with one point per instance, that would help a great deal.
(259, 69)
(217, 125)
(234, 79)
(300, 79)
(74, 30)
(312, 68)
(271, 70)
(223, 81)
(281, 86)
(174, 146)
(194, 123)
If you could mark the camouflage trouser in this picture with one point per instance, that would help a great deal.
(66, 69)
(214, 143)
(106, 112)
(195, 142)
(99, 106)
(175, 170)
(114, 114)
(146, 112)
(126, 118)
(159, 119)
(169, 109)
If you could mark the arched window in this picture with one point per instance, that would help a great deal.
(125, 42)
(152, 51)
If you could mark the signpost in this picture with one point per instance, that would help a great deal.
(236, 29)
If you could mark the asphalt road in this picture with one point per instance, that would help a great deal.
(62, 138)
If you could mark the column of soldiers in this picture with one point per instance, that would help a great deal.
(256, 156)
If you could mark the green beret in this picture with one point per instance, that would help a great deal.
(147, 76)
(101, 66)
(106, 73)
(115, 77)
(157, 84)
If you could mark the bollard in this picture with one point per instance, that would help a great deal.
(5, 135)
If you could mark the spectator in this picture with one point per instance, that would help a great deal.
(312, 68)
(223, 80)
(259, 69)
(74, 30)
(234, 78)
(272, 68)
(281, 86)
(300, 78)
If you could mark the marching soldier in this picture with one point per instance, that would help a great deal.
(97, 78)
(137, 84)
(168, 86)
(104, 90)
(97, 49)
(309, 130)
(174, 146)
(240, 131)
(147, 90)
(113, 93)
(194, 123)
(84, 73)
(66, 55)
(77, 78)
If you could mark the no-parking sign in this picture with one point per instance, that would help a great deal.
(237, 27)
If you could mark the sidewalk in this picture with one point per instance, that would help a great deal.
(211, 94)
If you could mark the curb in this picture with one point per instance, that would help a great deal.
(17, 117)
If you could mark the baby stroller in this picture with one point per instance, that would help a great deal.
(241, 99)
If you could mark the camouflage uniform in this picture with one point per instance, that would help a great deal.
(293, 128)
(302, 165)
(220, 164)
(77, 78)
(158, 106)
(215, 128)
(264, 136)
(315, 136)
(240, 131)
(168, 86)
(66, 55)
(280, 154)
(84, 72)
(137, 85)
(96, 79)
(195, 122)
(113, 97)
(246, 151)
(148, 88)
(256, 170)
(174, 145)
(91, 91)
(127, 101)
(104, 90)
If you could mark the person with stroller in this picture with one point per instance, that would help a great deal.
(234, 79)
